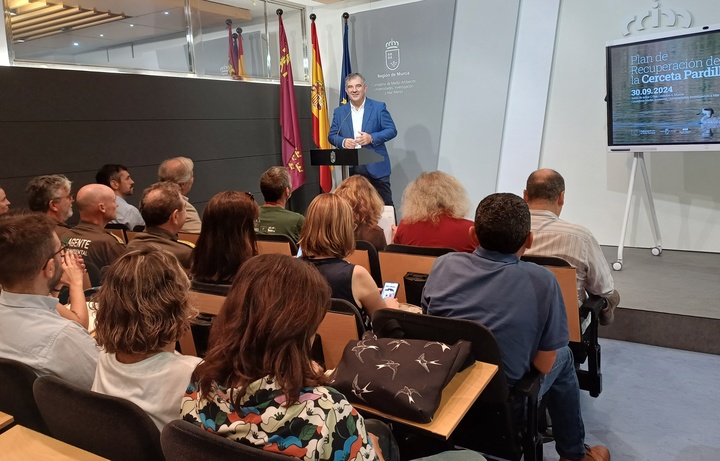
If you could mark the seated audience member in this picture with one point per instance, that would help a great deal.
(163, 209)
(327, 237)
(52, 195)
(258, 383)
(4, 202)
(31, 330)
(367, 209)
(545, 195)
(180, 171)
(522, 305)
(227, 239)
(96, 206)
(433, 211)
(143, 309)
(276, 188)
(117, 178)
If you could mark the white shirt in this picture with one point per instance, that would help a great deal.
(155, 384)
(32, 332)
(575, 244)
(357, 119)
(127, 214)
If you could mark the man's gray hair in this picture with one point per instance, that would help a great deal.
(43, 189)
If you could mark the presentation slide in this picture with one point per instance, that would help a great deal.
(665, 91)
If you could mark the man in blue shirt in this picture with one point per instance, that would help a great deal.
(522, 305)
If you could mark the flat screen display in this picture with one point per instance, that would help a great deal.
(663, 92)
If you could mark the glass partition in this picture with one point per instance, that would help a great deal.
(188, 36)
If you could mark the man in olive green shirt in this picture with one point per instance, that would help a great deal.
(274, 218)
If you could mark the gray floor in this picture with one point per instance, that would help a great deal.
(656, 404)
(678, 282)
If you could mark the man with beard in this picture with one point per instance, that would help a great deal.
(32, 262)
(117, 178)
(52, 195)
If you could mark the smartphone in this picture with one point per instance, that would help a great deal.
(390, 289)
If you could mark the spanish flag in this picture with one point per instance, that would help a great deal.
(240, 54)
(320, 126)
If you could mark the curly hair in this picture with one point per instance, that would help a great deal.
(266, 327)
(228, 237)
(432, 195)
(364, 200)
(143, 302)
(328, 229)
(41, 190)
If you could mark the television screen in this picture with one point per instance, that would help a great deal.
(663, 91)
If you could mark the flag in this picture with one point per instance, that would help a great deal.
(319, 109)
(232, 57)
(346, 70)
(240, 54)
(291, 145)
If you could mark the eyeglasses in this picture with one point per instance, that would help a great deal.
(63, 247)
(70, 197)
(249, 194)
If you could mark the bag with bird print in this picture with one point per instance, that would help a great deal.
(400, 377)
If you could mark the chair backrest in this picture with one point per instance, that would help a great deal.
(184, 441)
(342, 324)
(205, 303)
(187, 237)
(416, 250)
(567, 279)
(16, 395)
(276, 244)
(131, 235)
(394, 266)
(108, 426)
(366, 255)
(117, 230)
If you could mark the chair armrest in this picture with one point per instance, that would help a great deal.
(593, 305)
(529, 385)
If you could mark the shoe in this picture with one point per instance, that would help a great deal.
(596, 453)
(607, 315)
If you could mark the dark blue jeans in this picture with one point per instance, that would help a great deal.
(562, 393)
(381, 185)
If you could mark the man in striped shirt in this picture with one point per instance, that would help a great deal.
(545, 195)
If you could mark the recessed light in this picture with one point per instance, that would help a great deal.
(132, 25)
(102, 35)
(167, 12)
(76, 44)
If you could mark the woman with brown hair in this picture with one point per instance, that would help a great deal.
(327, 237)
(143, 309)
(367, 208)
(258, 384)
(227, 239)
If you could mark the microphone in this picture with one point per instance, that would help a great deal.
(341, 125)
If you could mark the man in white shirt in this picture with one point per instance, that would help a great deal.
(117, 177)
(545, 195)
(32, 331)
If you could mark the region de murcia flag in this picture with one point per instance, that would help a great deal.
(291, 145)
(318, 101)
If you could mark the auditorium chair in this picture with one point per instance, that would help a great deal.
(276, 244)
(16, 395)
(342, 323)
(397, 260)
(110, 427)
(366, 255)
(503, 420)
(583, 343)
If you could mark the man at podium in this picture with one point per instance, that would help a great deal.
(365, 123)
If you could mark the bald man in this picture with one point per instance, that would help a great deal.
(96, 206)
(545, 196)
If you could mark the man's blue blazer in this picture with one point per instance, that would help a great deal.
(376, 121)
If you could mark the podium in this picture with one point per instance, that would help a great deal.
(344, 157)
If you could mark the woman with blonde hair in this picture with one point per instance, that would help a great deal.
(143, 309)
(433, 210)
(258, 383)
(367, 208)
(326, 239)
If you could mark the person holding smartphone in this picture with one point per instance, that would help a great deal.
(327, 238)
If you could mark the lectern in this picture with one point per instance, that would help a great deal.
(344, 157)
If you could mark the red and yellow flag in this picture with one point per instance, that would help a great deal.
(291, 146)
(318, 101)
(240, 54)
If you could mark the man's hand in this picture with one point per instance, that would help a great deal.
(73, 269)
(363, 138)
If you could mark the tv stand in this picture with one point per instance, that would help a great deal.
(639, 157)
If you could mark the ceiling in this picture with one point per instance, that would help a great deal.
(145, 20)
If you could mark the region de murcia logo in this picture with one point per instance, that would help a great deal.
(657, 17)
(392, 54)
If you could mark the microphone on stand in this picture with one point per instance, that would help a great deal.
(340, 127)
